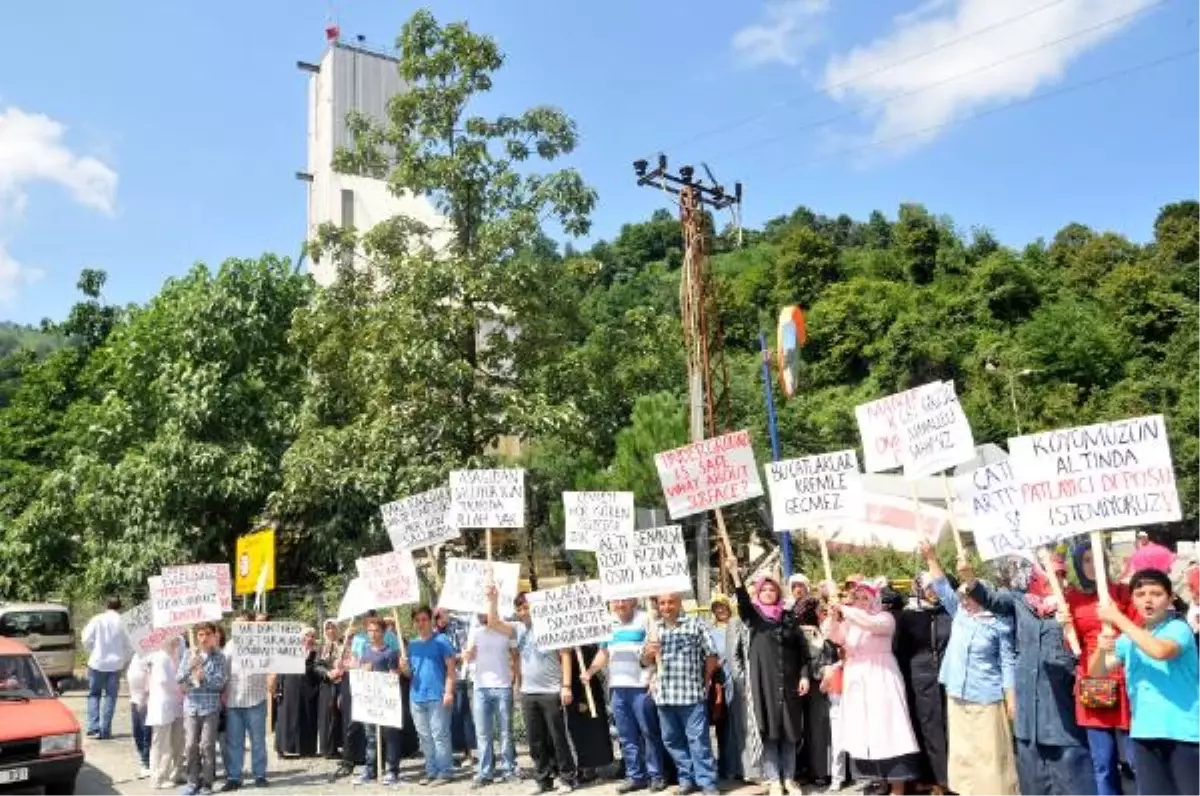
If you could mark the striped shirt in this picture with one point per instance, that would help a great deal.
(204, 698)
(242, 690)
(624, 647)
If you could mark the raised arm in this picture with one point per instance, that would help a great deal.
(998, 601)
(881, 623)
(1163, 647)
(494, 622)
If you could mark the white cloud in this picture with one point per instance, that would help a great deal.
(14, 276)
(788, 28)
(918, 46)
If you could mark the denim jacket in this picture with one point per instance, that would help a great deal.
(980, 661)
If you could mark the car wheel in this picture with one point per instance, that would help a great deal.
(65, 787)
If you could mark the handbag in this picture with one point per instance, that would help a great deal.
(1098, 692)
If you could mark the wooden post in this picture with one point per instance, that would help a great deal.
(399, 632)
(587, 687)
(1056, 587)
(958, 542)
(379, 751)
(729, 556)
(825, 556)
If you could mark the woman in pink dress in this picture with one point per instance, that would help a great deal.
(876, 730)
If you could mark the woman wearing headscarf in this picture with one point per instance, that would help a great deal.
(977, 672)
(743, 726)
(798, 589)
(778, 678)
(878, 733)
(922, 633)
(1101, 703)
(589, 735)
(297, 699)
(721, 691)
(814, 759)
(329, 719)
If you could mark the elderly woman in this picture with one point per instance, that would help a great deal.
(721, 692)
(876, 727)
(329, 718)
(922, 633)
(977, 672)
(778, 679)
(298, 698)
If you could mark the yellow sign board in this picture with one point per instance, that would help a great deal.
(255, 562)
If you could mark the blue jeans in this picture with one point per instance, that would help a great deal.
(239, 721)
(141, 733)
(432, 720)
(685, 733)
(106, 683)
(636, 718)
(391, 751)
(494, 703)
(1106, 758)
(1054, 770)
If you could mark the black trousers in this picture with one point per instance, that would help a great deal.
(1166, 767)
(354, 741)
(548, 743)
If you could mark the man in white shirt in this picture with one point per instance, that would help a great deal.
(245, 713)
(108, 647)
(494, 656)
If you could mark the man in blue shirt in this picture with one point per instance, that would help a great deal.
(378, 657)
(203, 677)
(430, 664)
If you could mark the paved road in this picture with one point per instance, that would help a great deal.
(111, 767)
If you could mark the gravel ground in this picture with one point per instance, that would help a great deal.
(112, 767)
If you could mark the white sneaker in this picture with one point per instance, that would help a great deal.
(143, 773)
(793, 788)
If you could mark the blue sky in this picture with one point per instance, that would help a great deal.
(142, 137)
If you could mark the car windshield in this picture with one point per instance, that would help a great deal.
(19, 624)
(21, 677)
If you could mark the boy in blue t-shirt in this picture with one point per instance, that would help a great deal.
(430, 664)
(379, 657)
(1162, 675)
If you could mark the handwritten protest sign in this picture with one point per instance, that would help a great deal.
(592, 514)
(810, 489)
(174, 576)
(391, 578)
(357, 600)
(138, 622)
(708, 474)
(268, 647)
(487, 499)
(181, 603)
(881, 427)
(466, 578)
(420, 520)
(936, 433)
(569, 616)
(375, 698)
(993, 505)
(643, 563)
(1095, 478)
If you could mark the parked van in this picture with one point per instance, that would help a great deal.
(39, 735)
(45, 628)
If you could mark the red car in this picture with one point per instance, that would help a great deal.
(39, 736)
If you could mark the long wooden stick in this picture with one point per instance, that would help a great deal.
(379, 751)
(958, 542)
(399, 632)
(587, 687)
(729, 556)
(825, 555)
(1056, 587)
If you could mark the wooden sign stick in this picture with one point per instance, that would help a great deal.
(399, 632)
(1056, 588)
(825, 556)
(737, 578)
(587, 687)
(958, 542)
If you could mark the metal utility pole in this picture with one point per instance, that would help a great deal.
(708, 373)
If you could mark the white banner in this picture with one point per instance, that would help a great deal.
(420, 520)
(375, 698)
(808, 490)
(1095, 478)
(487, 499)
(175, 576)
(391, 578)
(589, 515)
(357, 600)
(466, 579)
(989, 496)
(569, 616)
(643, 563)
(268, 647)
(937, 436)
(183, 603)
(708, 474)
(881, 427)
(138, 622)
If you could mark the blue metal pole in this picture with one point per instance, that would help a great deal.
(773, 430)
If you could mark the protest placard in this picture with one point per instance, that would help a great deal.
(375, 698)
(466, 579)
(812, 489)
(144, 637)
(569, 616)
(708, 474)
(881, 428)
(391, 578)
(419, 520)
(592, 514)
(174, 576)
(935, 432)
(643, 563)
(993, 507)
(1095, 478)
(178, 604)
(268, 647)
(357, 600)
(487, 499)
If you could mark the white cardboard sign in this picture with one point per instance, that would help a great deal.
(183, 602)
(375, 698)
(487, 499)
(938, 435)
(643, 563)
(173, 576)
(419, 520)
(589, 515)
(463, 588)
(357, 600)
(391, 578)
(881, 428)
(569, 616)
(992, 501)
(708, 474)
(268, 647)
(1095, 478)
(138, 622)
(812, 489)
